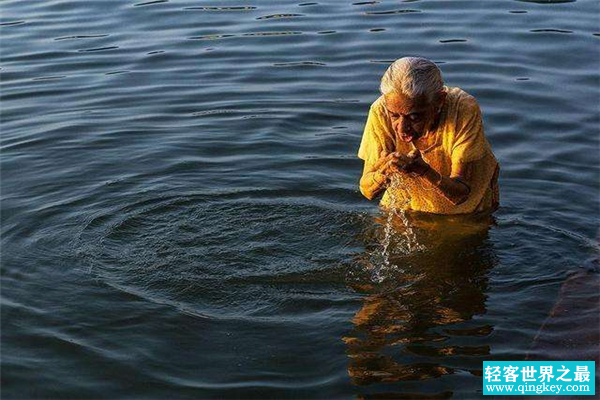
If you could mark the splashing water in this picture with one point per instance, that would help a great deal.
(400, 238)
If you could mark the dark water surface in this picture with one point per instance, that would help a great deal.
(180, 205)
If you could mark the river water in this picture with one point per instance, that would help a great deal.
(180, 206)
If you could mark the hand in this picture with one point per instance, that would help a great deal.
(416, 165)
(399, 163)
(390, 163)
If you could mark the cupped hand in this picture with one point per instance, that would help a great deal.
(390, 163)
(395, 162)
(416, 165)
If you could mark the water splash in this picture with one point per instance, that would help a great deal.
(399, 238)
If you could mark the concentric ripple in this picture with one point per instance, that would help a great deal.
(219, 256)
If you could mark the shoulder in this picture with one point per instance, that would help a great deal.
(462, 116)
(378, 118)
(461, 102)
(377, 107)
(377, 134)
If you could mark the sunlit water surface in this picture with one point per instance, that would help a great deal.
(180, 208)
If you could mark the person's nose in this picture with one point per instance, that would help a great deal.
(402, 125)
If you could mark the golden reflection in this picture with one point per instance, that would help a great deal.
(421, 315)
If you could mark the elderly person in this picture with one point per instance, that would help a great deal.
(431, 137)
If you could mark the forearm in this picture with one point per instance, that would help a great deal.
(372, 183)
(454, 189)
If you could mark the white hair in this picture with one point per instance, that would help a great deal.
(413, 77)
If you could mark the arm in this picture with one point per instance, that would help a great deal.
(374, 177)
(455, 188)
(371, 183)
(376, 139)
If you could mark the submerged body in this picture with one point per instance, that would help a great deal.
(454, 154)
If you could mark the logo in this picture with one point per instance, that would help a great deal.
(539, 378)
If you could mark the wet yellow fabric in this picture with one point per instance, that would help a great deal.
(458, 139)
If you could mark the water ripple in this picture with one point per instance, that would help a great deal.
(149, 3)
(224, 8)
(547, 1)
(282, 33)
(300, 64)
(452, 40)
(81, 37)
(49, 78)
(391, 12)
(116, 72)
(12, 23)
(280, 16)
(98, 49)
(211, 37)
(551, 30)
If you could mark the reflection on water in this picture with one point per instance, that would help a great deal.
(413, 325)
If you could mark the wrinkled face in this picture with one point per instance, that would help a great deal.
(411, 118)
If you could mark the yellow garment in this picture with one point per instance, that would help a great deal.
(458, 139)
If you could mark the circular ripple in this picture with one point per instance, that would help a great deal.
(220, 257)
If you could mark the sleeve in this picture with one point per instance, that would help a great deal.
(373, 139)
(470, 143)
